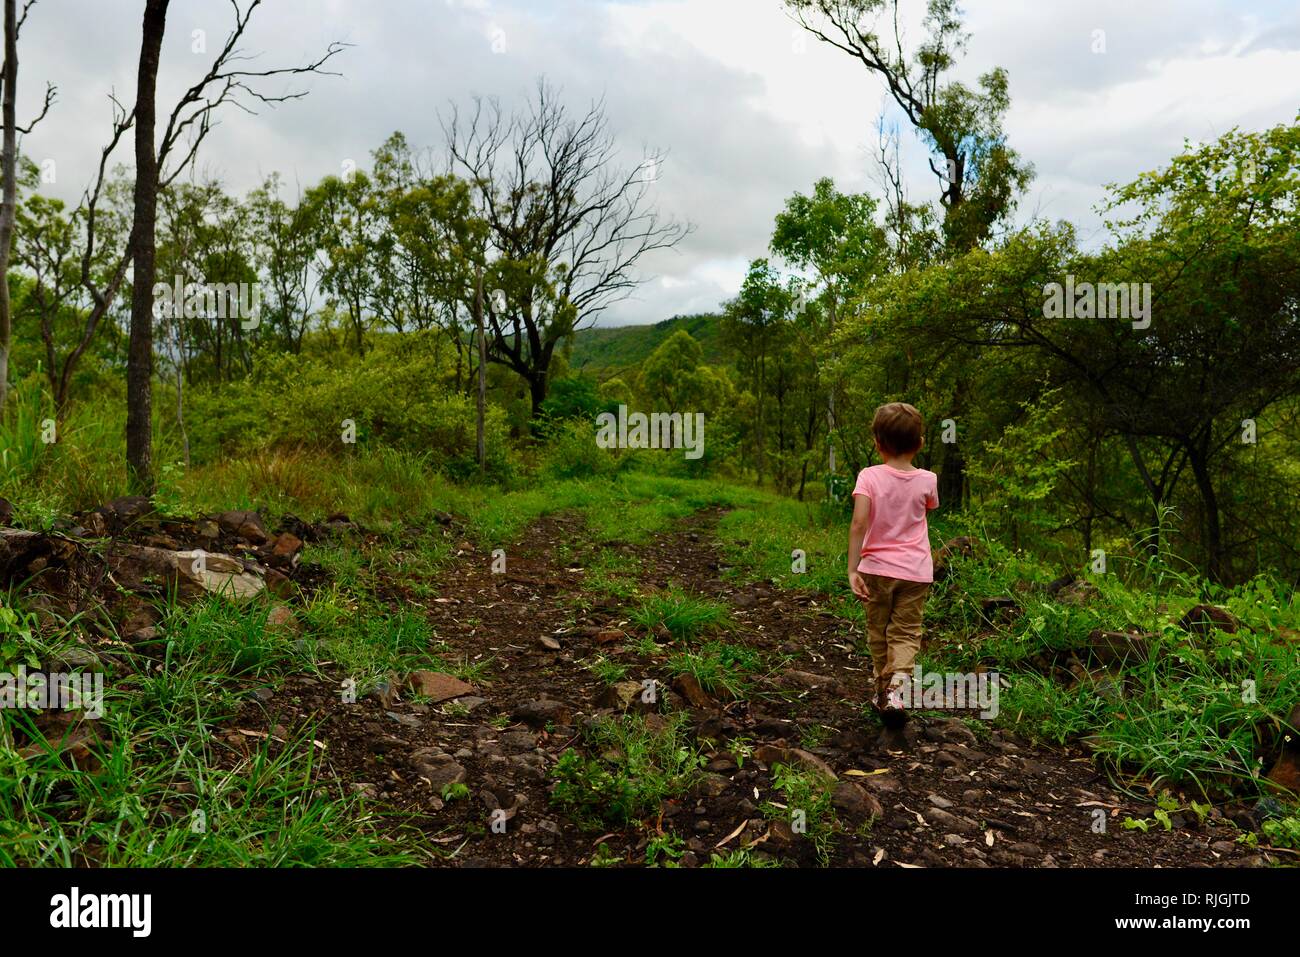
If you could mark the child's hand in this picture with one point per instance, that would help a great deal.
(859, 585)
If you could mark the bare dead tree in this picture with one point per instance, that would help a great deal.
(227, 82)
(13, 24)
(567, 226)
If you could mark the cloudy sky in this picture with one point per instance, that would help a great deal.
(748, 108)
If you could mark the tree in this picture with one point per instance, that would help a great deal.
(1205, 343)
(139, 367)
(834, 235)
(284, 251)
(752, 324)
(979, 174)
(567, 228)
(191, 118)
(13, 23)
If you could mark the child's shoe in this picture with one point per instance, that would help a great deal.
(892, 712)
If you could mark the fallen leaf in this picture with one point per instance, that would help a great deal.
(743, 824)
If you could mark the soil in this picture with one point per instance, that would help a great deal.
(935, 794)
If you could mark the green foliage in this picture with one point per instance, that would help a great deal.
(806, 807)
(683, 615)
(637, 767)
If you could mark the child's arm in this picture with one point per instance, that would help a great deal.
(858, 529)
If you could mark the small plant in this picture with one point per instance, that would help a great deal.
(664, 850)
(610, 672)
(807, 807)
(718, 667)
(637, 768)
(1283, 832)
(740, 857)
(454, 791)
(682, 615)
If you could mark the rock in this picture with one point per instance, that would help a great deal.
(549, 643)
(807, 680)
(855, 800)
(1203, 620)
(771, 754)
(543, 711)
(688, 686)
(957, 548)
(1078, 592)
(286, 548)
(1117, 647)
(608, 636)
(713, 785)
(122, 513)
(470, 702)
(245, 525)
(405, 720)
(939, 802)
(437, 767)
(282, 621)
(1285, 772)
(937, 817)
(436, 686)
(1224, 847)
(624, 696)
(192, 574)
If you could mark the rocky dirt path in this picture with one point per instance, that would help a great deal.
(937, 795)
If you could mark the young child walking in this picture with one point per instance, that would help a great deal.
(890, 569)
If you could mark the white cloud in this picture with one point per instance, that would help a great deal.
(748, 111)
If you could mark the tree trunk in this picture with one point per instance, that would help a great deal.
(537, 390)
(8, 210)
(482, 370)
(139, 363)
(1210, 522)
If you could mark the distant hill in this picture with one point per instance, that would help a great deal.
(604, 352)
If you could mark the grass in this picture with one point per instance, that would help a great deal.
(1188, 715)
(683, 615)
(720, 668)
(167, 793)
(1191, 715)
(633, 768)
(806, 807)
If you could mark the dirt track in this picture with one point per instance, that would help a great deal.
(939, 794)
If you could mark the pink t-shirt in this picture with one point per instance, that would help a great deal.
(898, 543)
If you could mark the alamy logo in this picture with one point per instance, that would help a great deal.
(658, 430)
(1104, 300)
(75, 909)
(951, 691)
(53, 690)
(220, 300)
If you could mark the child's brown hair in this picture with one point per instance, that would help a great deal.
(898, 428)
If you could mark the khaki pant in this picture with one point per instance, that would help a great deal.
(894, 624)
